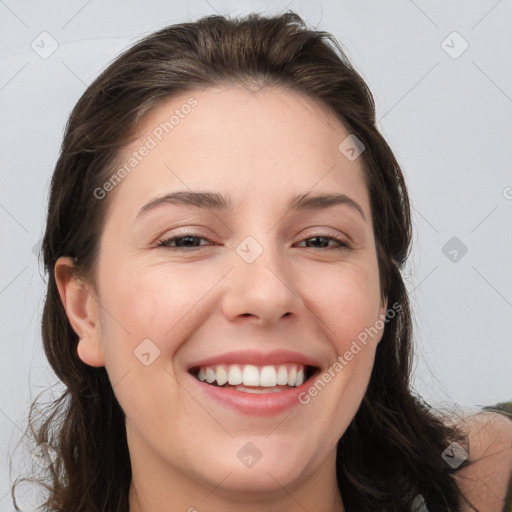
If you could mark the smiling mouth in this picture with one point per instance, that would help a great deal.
(250, 378)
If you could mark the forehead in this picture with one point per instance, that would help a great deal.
(262, 143)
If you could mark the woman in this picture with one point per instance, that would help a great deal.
(226, 229)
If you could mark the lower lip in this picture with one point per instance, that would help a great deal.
(256, 404)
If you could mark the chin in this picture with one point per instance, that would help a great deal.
(258, 479)
(249, 469)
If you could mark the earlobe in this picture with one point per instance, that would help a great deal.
(77, 297)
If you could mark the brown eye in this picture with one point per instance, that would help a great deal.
(324, 242)
(184, 242)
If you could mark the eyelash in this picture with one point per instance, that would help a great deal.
(342, 244)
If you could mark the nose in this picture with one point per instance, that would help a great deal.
(261, 285)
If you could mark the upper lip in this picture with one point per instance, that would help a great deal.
(256, 358)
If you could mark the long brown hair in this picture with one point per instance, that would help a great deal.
(390, 455)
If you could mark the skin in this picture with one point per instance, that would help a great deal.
(258, 148)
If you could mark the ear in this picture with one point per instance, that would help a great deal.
(81, 307)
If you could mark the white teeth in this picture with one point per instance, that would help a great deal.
(222, 375)
(268, 377)
(300, 377)
(253, 376)
(235, 376)
(282, 376)
(210, 375)
(292, 376)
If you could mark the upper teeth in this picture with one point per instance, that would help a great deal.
(250, 375)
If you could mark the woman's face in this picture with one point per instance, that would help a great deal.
(252, 288)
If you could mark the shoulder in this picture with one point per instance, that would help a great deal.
(486, 480)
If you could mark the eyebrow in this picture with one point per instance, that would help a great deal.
(216, 201)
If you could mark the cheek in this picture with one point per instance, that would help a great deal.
(148, 302)
(347, 300)
(145, 315)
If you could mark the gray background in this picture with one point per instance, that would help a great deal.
(445, 112)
